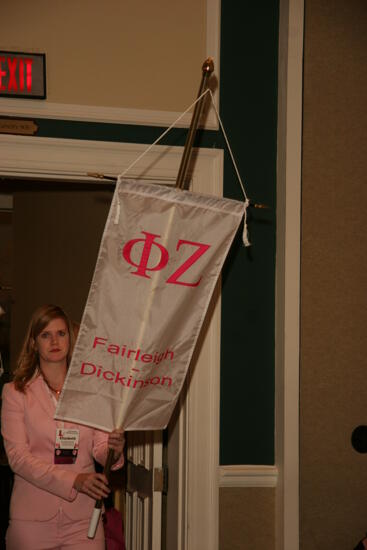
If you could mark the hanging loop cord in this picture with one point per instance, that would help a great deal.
(245, 237)
(159, 138)
(162, 135)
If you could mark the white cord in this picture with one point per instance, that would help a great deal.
(245, 237)
(162, 135)
(229, 147)
(118, 206)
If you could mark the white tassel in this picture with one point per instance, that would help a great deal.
(245, 237)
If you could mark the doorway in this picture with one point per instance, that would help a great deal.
(196, 457)
(56, 230)
(50, 233)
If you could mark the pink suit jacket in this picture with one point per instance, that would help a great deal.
(41, 487)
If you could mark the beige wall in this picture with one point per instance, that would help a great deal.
(334, 274)
(247, 517)
(114, 62)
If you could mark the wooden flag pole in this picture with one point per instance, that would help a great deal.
(207, 68)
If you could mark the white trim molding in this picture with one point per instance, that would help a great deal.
(202, 426)
(288, 271)
(248, 476)
(114, 115)
(72, 159)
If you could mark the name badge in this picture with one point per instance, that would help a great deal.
(66, 446)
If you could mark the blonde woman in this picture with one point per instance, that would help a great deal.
(55, 483)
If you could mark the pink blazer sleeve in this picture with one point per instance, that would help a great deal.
(49, 477)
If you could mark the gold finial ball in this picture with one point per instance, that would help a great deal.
(208, 65)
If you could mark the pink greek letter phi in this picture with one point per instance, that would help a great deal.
(142, 266)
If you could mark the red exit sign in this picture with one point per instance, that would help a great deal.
(23, 75)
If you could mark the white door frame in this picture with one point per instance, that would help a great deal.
(62, 159)
(288, 271)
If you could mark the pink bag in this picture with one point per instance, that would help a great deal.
(113, 529)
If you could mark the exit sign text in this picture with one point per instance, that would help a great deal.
(23, 75)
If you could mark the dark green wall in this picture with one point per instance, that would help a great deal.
(248, 93)
(249, 53)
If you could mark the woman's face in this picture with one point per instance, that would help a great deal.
(53, 342)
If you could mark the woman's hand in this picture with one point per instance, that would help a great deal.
(116, 441)
(94, 485)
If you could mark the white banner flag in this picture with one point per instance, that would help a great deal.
(158, 263)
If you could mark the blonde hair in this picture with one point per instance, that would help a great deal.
(28, 360)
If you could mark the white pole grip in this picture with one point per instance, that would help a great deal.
(94, 522)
